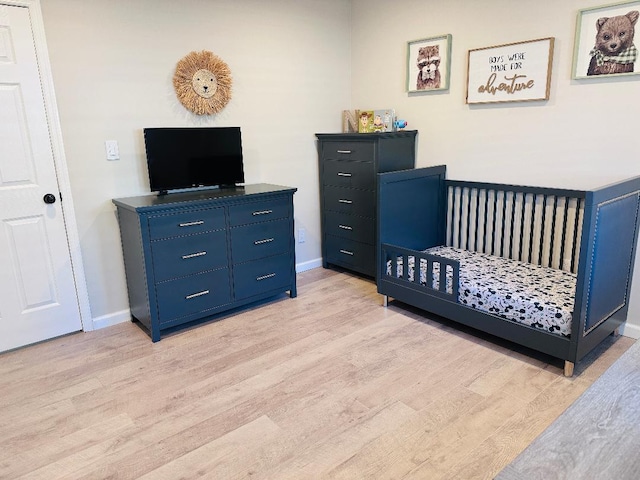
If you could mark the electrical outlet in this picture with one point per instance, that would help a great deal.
(112, 149)
(302, 234)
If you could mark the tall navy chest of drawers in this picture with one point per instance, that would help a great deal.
(349, 164)
(189, 256)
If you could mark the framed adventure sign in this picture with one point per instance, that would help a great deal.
(514, 72)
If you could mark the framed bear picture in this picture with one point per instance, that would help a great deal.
(428, 64)
(604, 41)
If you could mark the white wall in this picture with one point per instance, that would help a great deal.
(586, 134)
(113, 63)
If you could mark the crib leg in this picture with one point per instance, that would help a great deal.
(385, 300)
(568, 368)
(616, 332)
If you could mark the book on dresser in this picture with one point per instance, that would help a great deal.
(193, 255)
(348, 166)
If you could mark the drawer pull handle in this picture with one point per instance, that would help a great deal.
(191, 224)
(344, 151)
(342, 174)
(264, 277)
(199, 294)
(345, 227)
(342, 200)
(346, 252)
(262, 212)
(260, 242)
(193, 255)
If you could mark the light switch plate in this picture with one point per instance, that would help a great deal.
(112, 149)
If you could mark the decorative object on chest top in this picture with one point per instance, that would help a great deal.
(202, 82)
(349, 164)
(546, 268)
(189, 256)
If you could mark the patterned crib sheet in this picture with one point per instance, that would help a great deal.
(533, 295)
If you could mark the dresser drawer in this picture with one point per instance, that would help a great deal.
(252, 212)
(356, 151)
(261, 276)
(258, 240)
(349, 174)
(193, 294)
(350, 200)
(351, 254)
(185, 223)
(180, 256)
(361, 229)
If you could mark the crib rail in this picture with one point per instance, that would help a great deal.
(438, 275)
(541, 226)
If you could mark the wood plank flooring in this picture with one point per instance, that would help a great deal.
(327, 385)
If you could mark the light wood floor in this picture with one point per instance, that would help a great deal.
(327, 385)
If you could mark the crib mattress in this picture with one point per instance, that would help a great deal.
(533, 295)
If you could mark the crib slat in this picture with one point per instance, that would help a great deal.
(565, 217)
(522, 215)
(493, 229)
(459, 242)
(534, 203)
(513, 218)
(485, 230)
(553, 231)
(542, 223)
(476, 245)
(503, 221)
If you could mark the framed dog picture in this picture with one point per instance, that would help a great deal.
(604, 41)
(428, 64)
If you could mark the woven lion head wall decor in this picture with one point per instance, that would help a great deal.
(202, 82)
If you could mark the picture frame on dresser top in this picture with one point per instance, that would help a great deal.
(348, 166)
(193, 256)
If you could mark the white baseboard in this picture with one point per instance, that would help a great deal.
(303, 267)
(629, 330)
(112, 319)
(125, 315)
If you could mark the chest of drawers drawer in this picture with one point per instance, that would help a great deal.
(348, 150)
(185, 223)
(361, 229)
(253, 212)
(193, 294)
(259, 240)
(349, 200)
(351, 254)
(349, 174)
(180, 256)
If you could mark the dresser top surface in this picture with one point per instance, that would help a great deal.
(366, 136)
(152, 201)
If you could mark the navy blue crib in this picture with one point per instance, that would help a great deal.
(579, 244)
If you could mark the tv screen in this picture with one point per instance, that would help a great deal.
(181, 158)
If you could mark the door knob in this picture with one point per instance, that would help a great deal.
(49, 198)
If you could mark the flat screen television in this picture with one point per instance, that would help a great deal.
(186, 158)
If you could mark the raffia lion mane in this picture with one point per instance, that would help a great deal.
(185, 84)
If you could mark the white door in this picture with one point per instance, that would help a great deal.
(38, 297)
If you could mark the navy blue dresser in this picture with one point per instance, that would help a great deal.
(189, 256)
